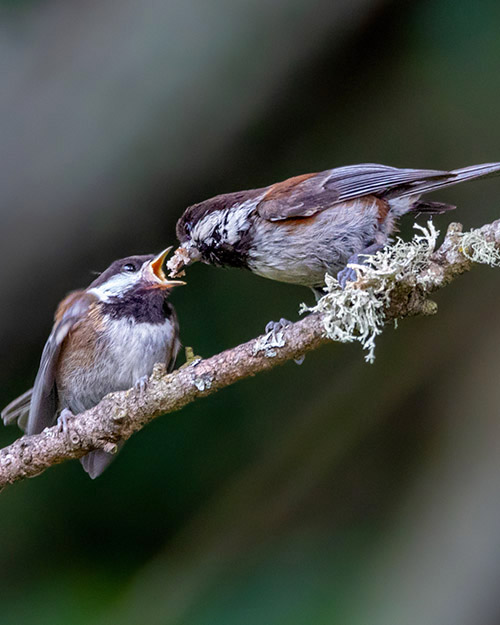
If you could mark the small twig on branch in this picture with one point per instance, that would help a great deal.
(121, 414)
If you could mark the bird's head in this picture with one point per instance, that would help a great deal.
(214, 232)
(132, 275)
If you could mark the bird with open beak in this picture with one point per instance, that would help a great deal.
(298, 230)
(105, 338)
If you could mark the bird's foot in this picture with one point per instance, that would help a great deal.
(142, 384)
(274, 327)
(64, 421)
(274, 332)
(348, 274)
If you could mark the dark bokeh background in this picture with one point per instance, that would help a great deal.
(334, 492)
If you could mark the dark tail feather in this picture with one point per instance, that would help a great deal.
(18, 410)
(431, 208)
(453, 177)
(96, 462)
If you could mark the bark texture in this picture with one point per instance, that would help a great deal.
(121, 414)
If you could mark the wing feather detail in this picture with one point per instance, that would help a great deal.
(44, 401)
(317, 192)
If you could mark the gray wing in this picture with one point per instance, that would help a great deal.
(320, 191)
(44, 400)
(357, 180)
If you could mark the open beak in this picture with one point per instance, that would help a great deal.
(156, 266)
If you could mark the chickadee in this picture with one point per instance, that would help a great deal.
(105, 338)
(298, 230)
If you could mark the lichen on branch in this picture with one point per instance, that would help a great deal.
(395, 283)
(358, 312)
(479, 249)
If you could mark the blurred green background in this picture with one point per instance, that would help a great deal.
(334, 492)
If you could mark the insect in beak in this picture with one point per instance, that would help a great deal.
(183, 256)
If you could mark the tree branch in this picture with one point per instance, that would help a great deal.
(121, 414)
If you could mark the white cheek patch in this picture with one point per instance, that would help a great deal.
(116, 286)
(204, 229)
(239, 221)
(229, 222)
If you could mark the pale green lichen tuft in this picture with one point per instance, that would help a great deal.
(358, 312)
(478, 249)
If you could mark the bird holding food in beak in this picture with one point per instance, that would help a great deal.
(298, 230)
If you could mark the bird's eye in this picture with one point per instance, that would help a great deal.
(129, 268)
